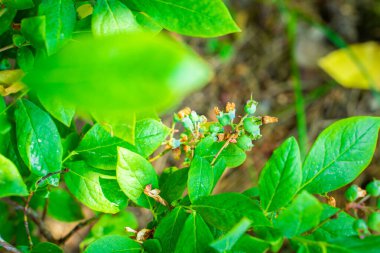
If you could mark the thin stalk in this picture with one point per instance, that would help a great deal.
(291, 19)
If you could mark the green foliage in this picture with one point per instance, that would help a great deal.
(81, 129)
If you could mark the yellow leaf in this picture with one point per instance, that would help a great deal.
(84, 10)
(10, 81)
(354, 67)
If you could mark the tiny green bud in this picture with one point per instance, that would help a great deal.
(250, 107)
(18, 40)
(187, 123)
(360, 226)
(352, 193)
(373, 188)
(245, 143)
(194, 117)
(374, 221)
(224, 119)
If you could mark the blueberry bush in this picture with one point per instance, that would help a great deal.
(83, 85)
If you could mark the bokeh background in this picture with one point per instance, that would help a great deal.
(270, 57)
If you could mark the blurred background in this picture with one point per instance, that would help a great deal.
(275, 58)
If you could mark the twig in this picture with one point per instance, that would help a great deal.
(34, 217)
(76, 228)
(159, 155)
(8, 247)
(7, 47)
(31, 194)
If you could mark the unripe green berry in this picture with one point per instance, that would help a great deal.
(373, 188)
(250, 107)
(251, 126)
(352, 193)
(360, 226)
(374, 221)
(224, 120)
(245, 143)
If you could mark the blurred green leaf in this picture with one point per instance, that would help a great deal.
(33, 30)
(281, 177)
(190, 17)
(83, 183)
(19, 4)
(63, 207)
(38, 140)
(195, 236)
(134, 173)
(112, 17)
(120, 77)
(25, 58)
(11, 183)
(247, 243)
(174, 185)
(6, 17)
(46, 247)
(340, 154)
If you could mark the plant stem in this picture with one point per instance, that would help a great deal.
(76, 228)
(159, 155)
(26, 223)
(7, 47)
(8, 247)
(291, 18)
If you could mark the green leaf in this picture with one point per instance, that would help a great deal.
(11, 183)
(38, 140)
(340, 153)
(190, 17)
(114, 224)
(146, 23)
(169, 228)
(58, 109)
(46, 247)
(150, 134)
(25, 58)
(195, 236)
(112, 17)
(84, 184)
(99, 149)
(33, 30)
(6, 17)
(60, 22)
(174, 185)
(59, 201)
(152, 246)
(134, 173)
(5, 127)
(281, 177)
(219, 167)
(369, 244)
(201, 178)
(232, 154)
(247, 243)
(107, 88)
(114, 243)
(19, 4)
(228, 241)
(120, 125)
(301, 215)
(337, 227)
(112, 191)
(224, 210)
